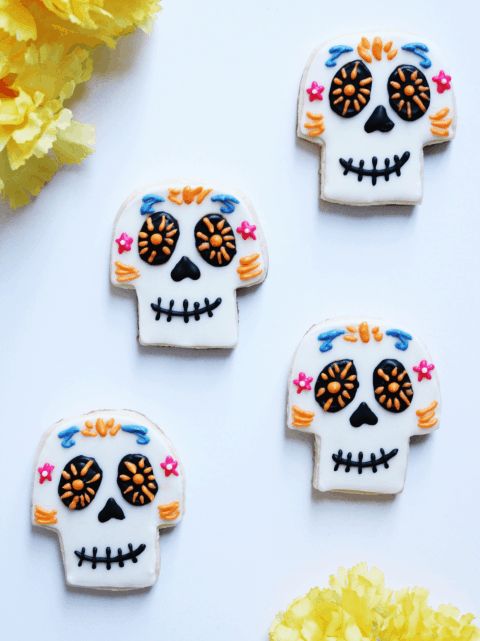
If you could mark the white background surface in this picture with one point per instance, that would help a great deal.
(212, 94)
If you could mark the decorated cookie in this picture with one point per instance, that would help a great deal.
(363, 389)
(372, 102)
(186, 250)
(106, 482)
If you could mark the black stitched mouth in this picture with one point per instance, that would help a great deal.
(375, 172)
(373, 462)
(132, 555)
(185, 313)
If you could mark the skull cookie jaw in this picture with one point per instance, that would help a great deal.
(118, 566)
(210, 322)
(363, 389)
(331, 464)
(372, 103)
(397, 176)
(185, 251)
(113, 481)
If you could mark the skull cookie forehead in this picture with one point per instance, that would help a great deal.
(186, 250)
(373, 101)
(363, 388)
(106, 482)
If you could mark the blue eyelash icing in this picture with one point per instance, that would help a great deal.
(336, 52)
(66, 436)
(419, 49)
(403, 338)
(229, 202)
(139, 431)
(149, 200)
(327, 339)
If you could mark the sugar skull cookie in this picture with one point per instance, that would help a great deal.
(186, 250)
(106, 482)
(372, 102)
(362, 389)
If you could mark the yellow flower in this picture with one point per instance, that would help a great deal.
(44, 77)
(358, 607)
(91, 22)
(71, 145)
(45, 52)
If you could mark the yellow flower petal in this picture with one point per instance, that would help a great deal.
(75, 143)
(16, 20)
(20, 185)
(92, 22)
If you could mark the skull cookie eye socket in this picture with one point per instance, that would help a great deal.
(350, 89)
(158, 238)
(392, 385)
(336, 385)
(136, 479)
(79, 482)
(215, 240)
(408, 92)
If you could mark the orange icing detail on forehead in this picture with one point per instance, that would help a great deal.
(187, 195)
(363, 333)
(101, 428)
(374, 50)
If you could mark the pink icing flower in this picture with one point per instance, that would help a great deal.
(247, 230)
(303, 382)
(45, 472)
(169, 466)
(423, 370)
(442, 81)
(124, 242)
(315, 91)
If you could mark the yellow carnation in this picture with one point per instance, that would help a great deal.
(359, 607)
(45, 52)
(72, 144)
(91, 22)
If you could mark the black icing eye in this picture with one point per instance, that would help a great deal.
(79, 482)
(157, 238)
(392, 385)
(336, 385)
(136, 479)
(408, 92)
(215, 240)
(350, 89)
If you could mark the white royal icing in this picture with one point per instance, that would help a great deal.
(346, 139)
(363, 447)
(110, 543)
(207, 292)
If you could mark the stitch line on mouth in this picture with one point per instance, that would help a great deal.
(186, 314)
(108, 559)
(373, 462)
(375, 172)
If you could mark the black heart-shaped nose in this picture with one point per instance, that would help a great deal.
(363, 415)
(185, 268)
(379, 121)
(111, 510)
